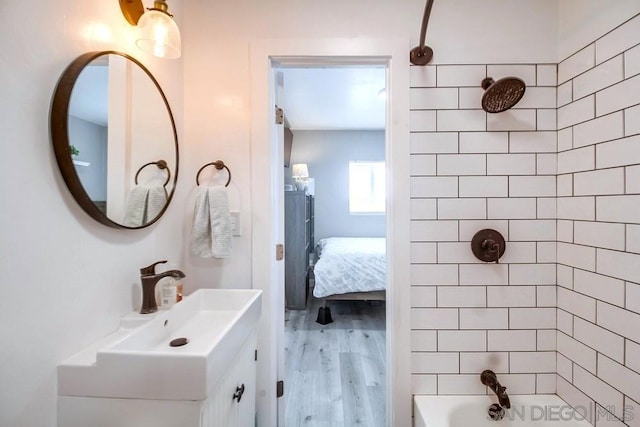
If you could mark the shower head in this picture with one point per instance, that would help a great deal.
(502, 94)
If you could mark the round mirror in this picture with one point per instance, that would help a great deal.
(115, 139)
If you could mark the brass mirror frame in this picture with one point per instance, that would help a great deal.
(60, 136)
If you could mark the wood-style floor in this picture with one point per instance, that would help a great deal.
(335, 374)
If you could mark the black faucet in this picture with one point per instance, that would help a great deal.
(149, 279)
(490, 379)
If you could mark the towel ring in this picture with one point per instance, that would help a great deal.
(219, 164)
(161, 165)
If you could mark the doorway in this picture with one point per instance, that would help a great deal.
(334, 369)
(267, 216)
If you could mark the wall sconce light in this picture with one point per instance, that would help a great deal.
(300, 173)
(158, 33)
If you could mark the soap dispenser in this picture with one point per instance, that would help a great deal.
(169, 293)
(179, 290)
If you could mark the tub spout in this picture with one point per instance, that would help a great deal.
(490, 379)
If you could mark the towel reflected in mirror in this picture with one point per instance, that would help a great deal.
(144, 204)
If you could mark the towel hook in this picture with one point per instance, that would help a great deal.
(161, 165)
(219, 164)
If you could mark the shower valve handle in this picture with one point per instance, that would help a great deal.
(493, 247)
(488, 245)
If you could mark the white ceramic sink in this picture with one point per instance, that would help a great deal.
(137, 361)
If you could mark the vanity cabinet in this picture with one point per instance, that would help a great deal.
(298, 246)
(219, 409)
(224, 408)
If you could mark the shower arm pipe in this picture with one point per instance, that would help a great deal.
(425, 22)
(422, 54)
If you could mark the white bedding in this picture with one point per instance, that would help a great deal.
(350, 264)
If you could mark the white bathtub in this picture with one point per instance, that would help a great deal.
(471, 411)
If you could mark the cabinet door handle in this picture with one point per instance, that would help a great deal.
(239, 392)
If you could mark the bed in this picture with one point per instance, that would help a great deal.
(349, 268)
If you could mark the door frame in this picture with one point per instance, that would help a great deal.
(267, 206)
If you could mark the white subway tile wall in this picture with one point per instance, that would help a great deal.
(491, 171)
(512, 120)
(546, 164)
(559, 176)
(547, 75)
(618, 97)
(598, 78)
(538, 97)
(618, 40)
(547, 119)
(472, 363)
(565, 139)
(576, 112)
(632, 120)
(632, 62)
(598, 236)
(601, 129)
(577, 64)
(484, 142)
(565, 93)
(582, 159)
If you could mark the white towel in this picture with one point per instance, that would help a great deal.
(211, 233)
(201, 230)
(144, 204)
(156, 201)
(221, 235)
(134, 214)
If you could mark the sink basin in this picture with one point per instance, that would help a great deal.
(138, 362)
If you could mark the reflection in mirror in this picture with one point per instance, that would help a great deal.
(88, 129)
(117, 148)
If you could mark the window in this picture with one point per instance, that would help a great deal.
(366, 187)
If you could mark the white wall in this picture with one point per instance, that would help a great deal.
(216, 41)
(599, 223)
(580, 22)
(67, 279)
(327, 154)
(218, 78)
(70, 279)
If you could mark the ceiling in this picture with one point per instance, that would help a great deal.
(336, 98)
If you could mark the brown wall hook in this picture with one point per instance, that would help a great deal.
(161, 165)
(219, 165)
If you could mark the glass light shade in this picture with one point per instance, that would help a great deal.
(300, 170)
(159, 35)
